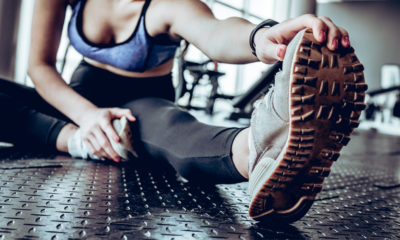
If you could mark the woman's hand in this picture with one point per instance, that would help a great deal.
(97, 130)
(271, 43)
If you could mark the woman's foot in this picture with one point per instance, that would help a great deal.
(78, 149)
(124, 147)
(66, 133)
(299, 128)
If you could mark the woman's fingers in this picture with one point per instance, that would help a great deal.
(345, 41)
(94, 147)
(271, 43)
(119, 113)
(269, 50)
(115, 113)
(272, 53)
(110, 131)
(106, 145)
(280, 50)
(334, 34)
(324, 30)
(319, 28)
(98, 130)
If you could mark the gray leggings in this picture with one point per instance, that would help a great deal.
(199, 152)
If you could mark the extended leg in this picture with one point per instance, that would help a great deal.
(199, 152)
(240, 152)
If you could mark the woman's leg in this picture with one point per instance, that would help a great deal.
(27, 120)
(240, 152)
(64, 135)
(34, 123)
(199, 152)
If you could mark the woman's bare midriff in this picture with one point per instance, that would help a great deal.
(161, 70)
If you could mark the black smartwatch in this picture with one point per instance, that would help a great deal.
(263, 24)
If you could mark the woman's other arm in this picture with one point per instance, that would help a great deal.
(47, 26)
(94, 122)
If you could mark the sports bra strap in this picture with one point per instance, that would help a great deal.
(145, 7)
(138, 53)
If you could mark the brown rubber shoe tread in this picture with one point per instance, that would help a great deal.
(327, 92)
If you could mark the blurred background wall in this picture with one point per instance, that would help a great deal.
(373, 25)
(374, 28)
(9, 20)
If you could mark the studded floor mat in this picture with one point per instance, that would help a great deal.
(56, 197)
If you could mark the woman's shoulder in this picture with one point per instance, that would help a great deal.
(173, 7)
(174, 3)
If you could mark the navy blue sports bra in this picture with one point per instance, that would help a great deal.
(140, 52)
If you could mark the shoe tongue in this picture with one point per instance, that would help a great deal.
(266, 155)
(251, 165)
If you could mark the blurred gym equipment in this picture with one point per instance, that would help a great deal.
(199, 72)
(242, 104)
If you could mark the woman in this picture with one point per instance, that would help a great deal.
(128, 48)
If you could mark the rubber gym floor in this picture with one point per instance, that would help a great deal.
(56, 197)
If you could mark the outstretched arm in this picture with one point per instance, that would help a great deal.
(221, 40)
(228, 40)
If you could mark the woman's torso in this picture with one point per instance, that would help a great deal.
(114, 35)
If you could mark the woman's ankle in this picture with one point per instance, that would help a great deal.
(240, 153)
(65, 134)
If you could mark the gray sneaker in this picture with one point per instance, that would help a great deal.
(300, 126)
(124, 148)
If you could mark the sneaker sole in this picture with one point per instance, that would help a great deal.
(327, 93)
